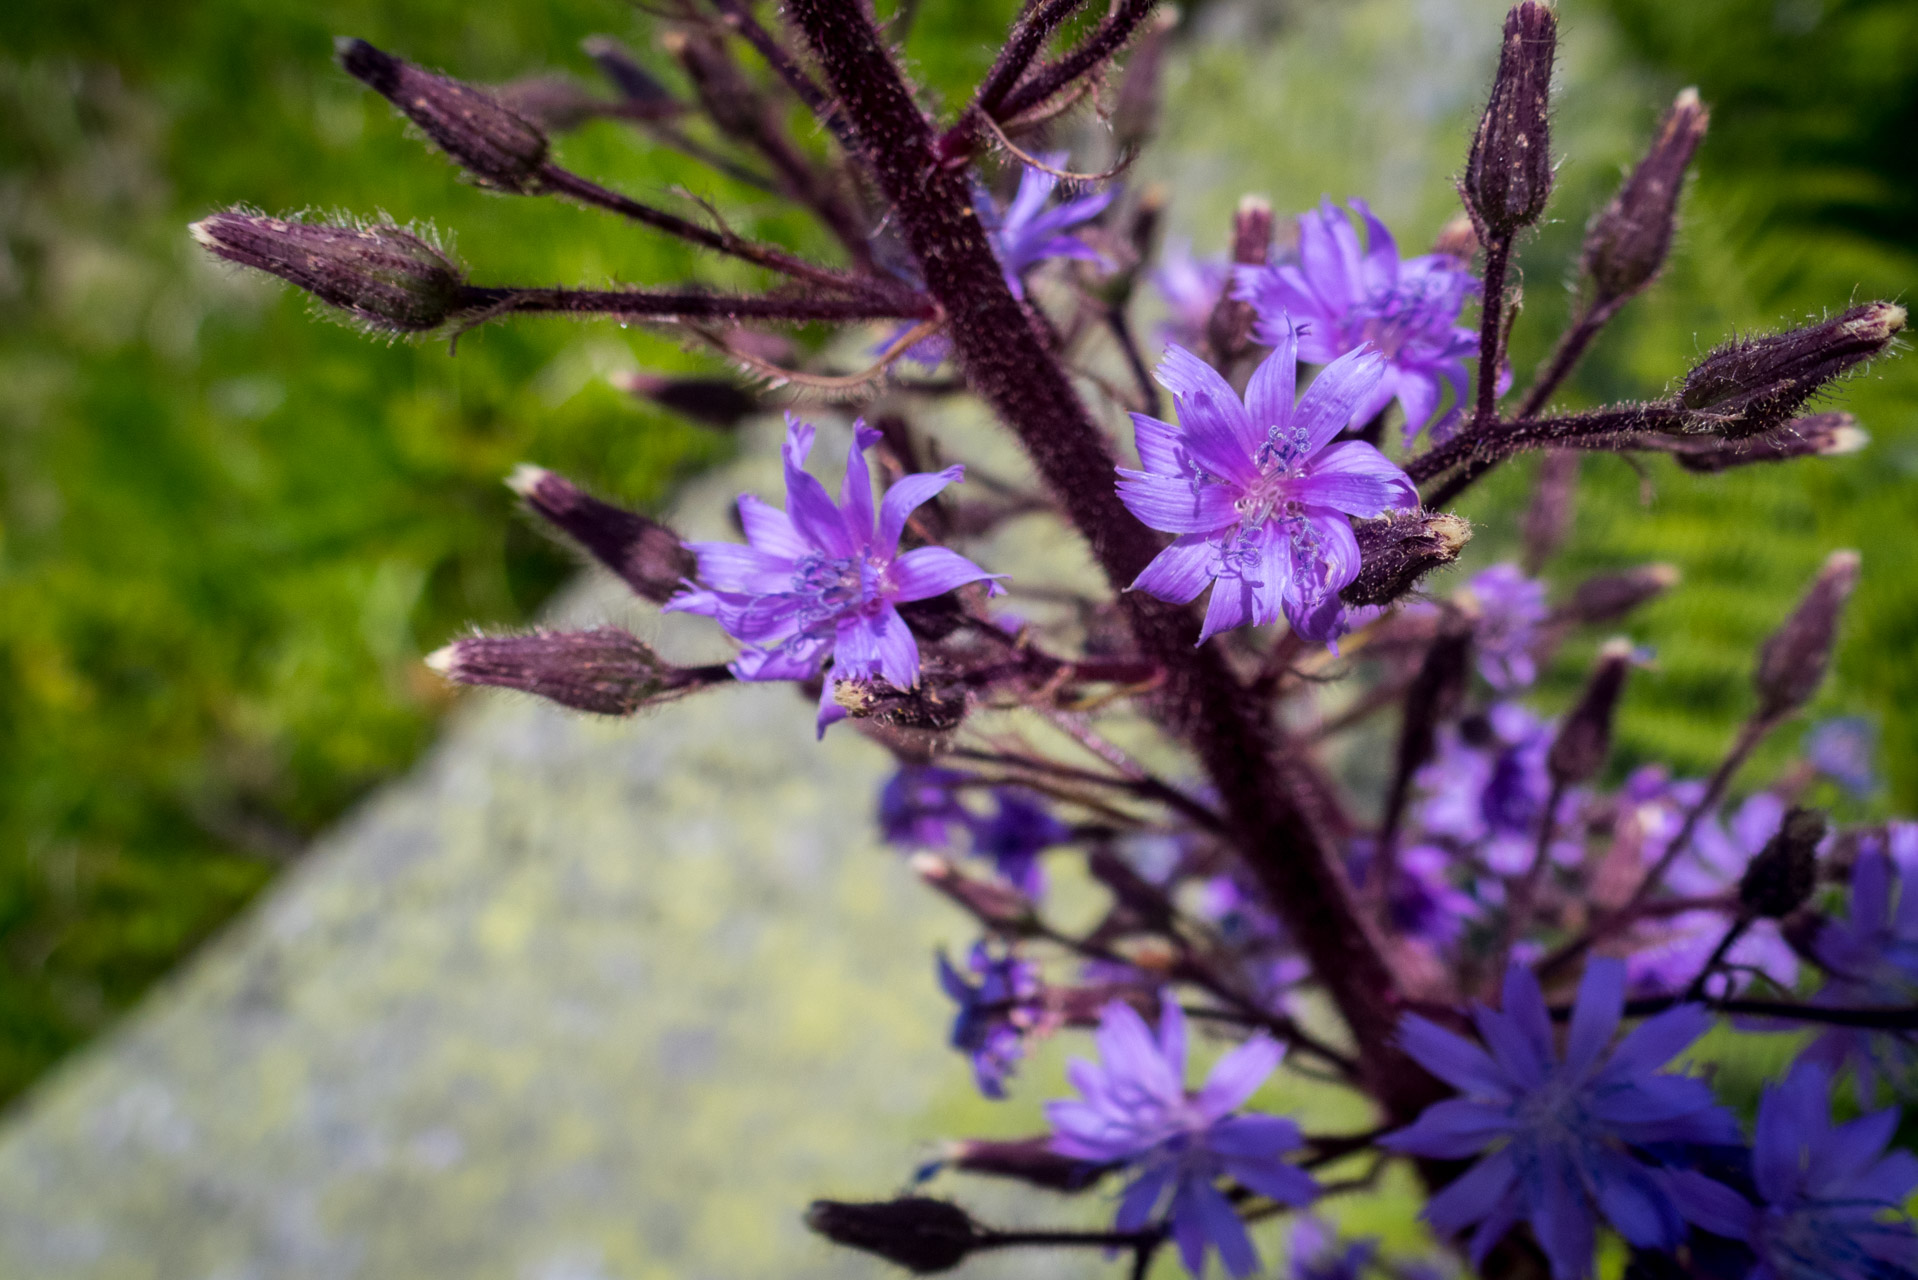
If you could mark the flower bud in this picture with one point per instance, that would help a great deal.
(1625, 245)
(995, 903)
(646, 555)
(1748, 386)
(713, 402)
(643, 94)
(605, 671)
(496, 147)
(1792, 664)
(1508, 172)
(1230, 327)
(1028, 1160)
(552, 103)
(388, 277)
(1816, 435)
(723, 89)
(1607, 597)
(1135, 115)
(1780, 879)
(1395, 551)
(921, 1234)
(1585, 738)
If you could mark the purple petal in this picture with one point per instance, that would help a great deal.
(1237, 1076)
(1562, 1217)
(1131, 1054)
(1657, 1040)
(1381, 265)
(925, 572)
(1189, 1230)
(770, 530)
(1177, 506)
(1452, 1130)
(1231, 606)
(1335, 395)
(1419, 397)
(1515, 1054)
(1222, 1227)
(1355, 478)
(1172, 1037)
(1524, 1004)
(1161, 448)
(1142, 1198)
(1473, 1195)
(1848, 1151)
(1711, 1205)
(1275, 1180)
(898, 651)
(813, 514)
(905, 497)
(1271, 394)
(1595, 1014)
(1253, 1137)
(730, 567)
(1452, 1058)
(1320, 259)
(1180, 572)
(1635, 1204)
(855, 491)
(1217, 432)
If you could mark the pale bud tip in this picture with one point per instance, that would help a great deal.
(1665, 575)
(1846, 440)
(1616, 649)
(1845, 562)
(1687, 98)
(526, 478)
(930, 866)
(1255, 206)
(1453, 532)
(201, 232)
(443, 659)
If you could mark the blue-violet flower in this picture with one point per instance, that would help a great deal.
(998, 1005)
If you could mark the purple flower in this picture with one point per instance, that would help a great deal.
(1256, 937)
(1423, 904)
(1318, 1253)
(1842, 750)
(1510, 608)
(1018, 831)
(1832, 1200)
(919, 808)
(1136, 1111)
(994, 1014)
(1343, 296)
(1872, 957)
(1562, 1134)
(1191, 288)
(819, 579)
(1487, 787)
(1257, 492)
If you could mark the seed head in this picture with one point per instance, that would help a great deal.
(388, 277)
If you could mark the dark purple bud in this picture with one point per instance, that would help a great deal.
(713, 402)
(1584, 740)
(1818, 435)
(723, 89)
(552, 103)
(605, 671)
(1780, 879)
(931, 706)
(1508, 172)
(994, 902)
(1395, 551)
(635, 84)
(1751, 385)
(1549, 517)
(1135, 116)
(495, 146)
(1230, 328)
(1608, 597)
(1028, 1160)
(644, 553)
(1625, 245)
(391, 278)
(1792, 664)
(921, 1234)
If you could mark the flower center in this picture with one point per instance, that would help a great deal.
(827, 587)
(1405, 313)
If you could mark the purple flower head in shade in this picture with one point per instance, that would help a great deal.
(1424, 903)
(1135, 1110)
(1487, 788)
(1342, 296)
(1258, 493)
(998, 1003)
(1510, 608)
(1562, 1134)
(919, 807)
(1191, 288)
(1256, 937)
(1014, 836)
(1319, 1254)
(1843, 749)
(1831, 1200)
(1872, 959)
(820, 579)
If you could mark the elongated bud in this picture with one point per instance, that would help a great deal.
(1135, 116)
(1028, 1160)
(1792, 664)
(713, 402)
(605, 671)
(1780, 879)
(552, 103)
(921, 1234)
(387, 276)
(1549, 517)
(994, 902)
(1395, 551)
(1816, 435)
(495, 146)
(1508, 172)
(1626, 244)
(1750, 386)
(644, 553)
(635, 84)
(1230, 327)
(1607, 597)
(724, 91)
(1585, 738)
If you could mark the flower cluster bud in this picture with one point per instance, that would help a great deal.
(1780, 879)
(1028, 1160)
(923, 1235)
(1584, 740)
(496, 146)
(1229, 329)
(1396, 550)
(644, 95)
(724, 91)
(1607, 597)
(1626, 244)
(1816, 435)
(1792, 664)
(712, 402)
(645, 554)
(996, 904)
(1750, 386)
(605, 671)
(386, 276)
(1508, 172)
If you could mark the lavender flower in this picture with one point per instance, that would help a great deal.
(1018, 831)
(1191, 288)
(1319, 1254)
(1258, 493)
(919, 807)
(1510, 608)
(819, 579)
(1136, 1110)
(1424, 904)
(994, 1014)
(1842, 750)
(1872, 957)
(1487, 787)
(1563, 1134)
(1832, 1200)
(1343, 296)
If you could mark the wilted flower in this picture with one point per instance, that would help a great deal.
(1136, 1110)
(1510, 608)
(1872, 957)
(997, 1006)
(1258, 493)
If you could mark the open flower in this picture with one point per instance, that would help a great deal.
(1136, 1111)
(998, 1005)
(820, 579)
(1258, 493)
(1872, 957)
(1563, 1136)
(1510, 608)
(1343, 296)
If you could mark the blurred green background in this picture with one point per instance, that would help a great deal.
(227, 531)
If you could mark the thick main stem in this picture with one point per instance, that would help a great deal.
(1014, 372)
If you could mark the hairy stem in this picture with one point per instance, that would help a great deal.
(651, 304)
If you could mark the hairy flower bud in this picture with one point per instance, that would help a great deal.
(1028, 1160)
(1626, 244)
(713, 402)
(994, 902)
(644, 95)
(1816, 435)
(1508, 172)
(496, 147)
(1585, 738)
(1792, 664)
(724, 91)
(605, 671)
(1607, 597)
(1230, 328)
(1135, 115)
(388, 277)
(1749, 386)
(921, 1234)
(646, 555)
(1396, 550)
(1780, 879)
